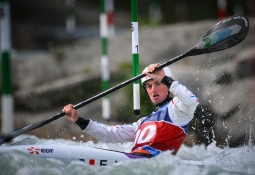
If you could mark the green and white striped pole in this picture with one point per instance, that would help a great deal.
(70, 18)
(7, 99)
(104, 61)
(135, 55)
(238, 7)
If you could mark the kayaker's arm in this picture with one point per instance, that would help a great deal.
(100, 131)
(183, 104)
(112, 134)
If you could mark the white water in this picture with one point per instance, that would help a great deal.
(217, 161)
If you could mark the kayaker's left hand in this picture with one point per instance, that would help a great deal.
(71, 113)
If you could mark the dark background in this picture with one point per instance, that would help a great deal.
(40, 25)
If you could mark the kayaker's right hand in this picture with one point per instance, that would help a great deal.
(71, 113)
(158, 75)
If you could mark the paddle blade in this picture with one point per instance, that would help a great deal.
(25, 129)
(225, 34)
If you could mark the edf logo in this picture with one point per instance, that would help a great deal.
(33, 150)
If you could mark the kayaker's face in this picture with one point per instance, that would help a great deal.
(156, 91)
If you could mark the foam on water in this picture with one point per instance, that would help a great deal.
(227, 161)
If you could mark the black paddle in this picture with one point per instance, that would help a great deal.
(225, 34)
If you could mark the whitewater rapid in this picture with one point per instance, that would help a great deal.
(216, 161)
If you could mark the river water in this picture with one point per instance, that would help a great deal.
(214, 160)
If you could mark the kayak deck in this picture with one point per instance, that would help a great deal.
(69, 153)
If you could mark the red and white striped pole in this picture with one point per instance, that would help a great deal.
(109, 9)
(222, 6)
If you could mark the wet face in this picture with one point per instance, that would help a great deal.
(156, 91)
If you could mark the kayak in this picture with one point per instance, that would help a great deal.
(69, 153)
(189, 160)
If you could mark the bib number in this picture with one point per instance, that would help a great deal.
(145, 134)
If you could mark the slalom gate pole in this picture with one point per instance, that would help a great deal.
(135, 55)
(222, 6)
(70, 18)
(104, 61)
(7, 98)
(239, 7)
(109, 7)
